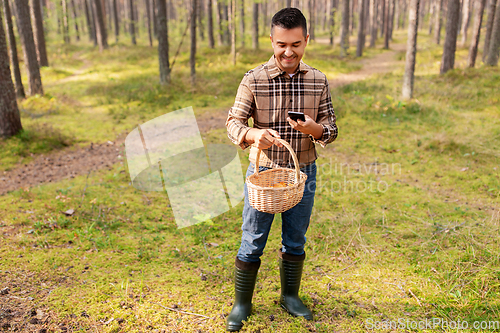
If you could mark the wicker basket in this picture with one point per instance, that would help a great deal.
(268, 199)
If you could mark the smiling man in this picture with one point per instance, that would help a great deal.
(267, 93)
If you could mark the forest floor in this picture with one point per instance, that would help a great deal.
(406, 223)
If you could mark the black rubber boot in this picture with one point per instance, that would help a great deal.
(291, 274)
(245, 275)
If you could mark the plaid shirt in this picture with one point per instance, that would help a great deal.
(267, 93)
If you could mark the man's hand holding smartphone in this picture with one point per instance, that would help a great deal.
(306, 126)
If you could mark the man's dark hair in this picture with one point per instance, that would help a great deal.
(289, 18)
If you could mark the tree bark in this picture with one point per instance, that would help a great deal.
(387, 31)
(255, 26)
(361, 29)
(465, 22)
(13, 50)
(101, 33)
(438, 23)
(116, 21)
(312, 23)
(38, 33)
(148, 16)
(64, 4)
(75, 19)
(210, 24)
(132, 21)
(225, 23)
(232, 29)
(10, 119)
(450, 42)
(391, 19)
(192, 55)
(489, 27)
(200, 15)
(219, 17)
(411, 50)
(89, 20)
(331, 22)
(476, 32)
(161, 25)
(344, 37)
(29, 49)
(373, 20)
(242, 23)
(494, 49)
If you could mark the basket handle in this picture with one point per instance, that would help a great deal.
(294, 156)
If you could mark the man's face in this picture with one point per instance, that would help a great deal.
(288, 46)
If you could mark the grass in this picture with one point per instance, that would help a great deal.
(406, 222)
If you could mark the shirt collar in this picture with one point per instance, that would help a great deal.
(274, 71)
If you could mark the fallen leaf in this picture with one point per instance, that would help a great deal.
(69, 212)
(465, 169)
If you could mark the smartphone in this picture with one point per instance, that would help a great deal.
(296, 115)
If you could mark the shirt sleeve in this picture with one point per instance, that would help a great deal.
(243, 108)
(326, 118)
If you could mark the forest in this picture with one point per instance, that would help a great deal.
(405, 229)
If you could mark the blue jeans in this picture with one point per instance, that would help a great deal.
(295, 221)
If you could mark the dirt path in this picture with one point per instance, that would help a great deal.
(71, 162)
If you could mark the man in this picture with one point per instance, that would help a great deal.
(267, 93)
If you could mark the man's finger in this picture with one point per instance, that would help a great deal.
(272, 139)
(274, 133)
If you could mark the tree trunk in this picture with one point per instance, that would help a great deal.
(101, 33)
(200, 15)
(373, 22)
(289, 3)
(148, 16)
(397, 15)
(411, 50)
(489, 27)
(132, 21)
(361, 29)
(331, 22)
(89, 21)
(225, 23)
(312, 22)
(391, 22)
(192, 55)
(162, 27)
(38, 33)
(115, 17)
(450, 42)
(494, 49)
(382, 17)
(255, 26)
(438, 22)
(232, 29)
(94, 21)
(75, 19)
(64, 4)
(10, 119)
(242, 23)
(352, 4)
(29, 49)
(344, 36)
(210, 24)
(387, 16)
(403, 21)
(219, 16)
(13, 50)
(465, 22)
(476, 32)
